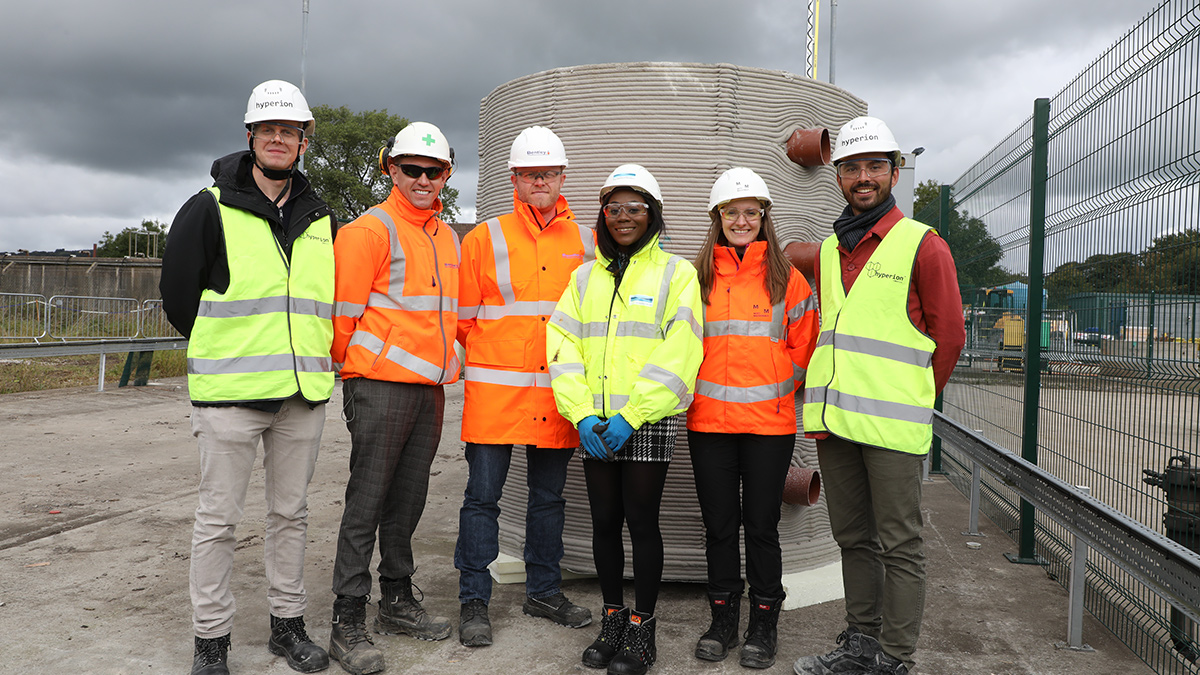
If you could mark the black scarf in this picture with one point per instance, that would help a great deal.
(850, 228)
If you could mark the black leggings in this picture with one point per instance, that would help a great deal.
(627, 493)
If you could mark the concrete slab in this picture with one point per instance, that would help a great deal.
(102, 585)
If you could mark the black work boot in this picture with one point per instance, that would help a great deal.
(474, 627)
(211, 656)
(614, 620)
(721, 635)
(349, 643)
(762, 635)
(289, 640)
(856, 653)
(558, 609)
(400, 612)
(640, 651)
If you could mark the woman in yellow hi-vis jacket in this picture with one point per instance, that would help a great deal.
(624, 346)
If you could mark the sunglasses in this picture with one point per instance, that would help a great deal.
(415, 171)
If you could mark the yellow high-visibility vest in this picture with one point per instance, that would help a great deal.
(268, 335)
(870, 379)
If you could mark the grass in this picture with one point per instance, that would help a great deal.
(56, 372)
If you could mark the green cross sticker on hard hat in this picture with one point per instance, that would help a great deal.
(422, 139)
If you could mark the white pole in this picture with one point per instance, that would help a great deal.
(304, 61)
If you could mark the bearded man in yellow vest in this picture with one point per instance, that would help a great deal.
(247, 277)
(891, 333)
(515, 268)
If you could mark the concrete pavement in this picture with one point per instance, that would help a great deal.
(102, 585)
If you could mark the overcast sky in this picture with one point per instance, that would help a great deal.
(112, 112)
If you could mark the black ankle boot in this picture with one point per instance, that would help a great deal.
(722, 634)
(289, 640)
(640, 651)
(211, 656)
(762, 635)
(613, 623)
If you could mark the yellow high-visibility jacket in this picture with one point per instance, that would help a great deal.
(633, 350)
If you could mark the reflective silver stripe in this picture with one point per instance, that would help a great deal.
(825, 338)
(523, 308)
(567, 323)
(414, 303)
(500, 253)
(396, 269)
(685, 314)
(666, 378)
(260, 364)
(901, 412)
(636, 329)
(582, 274)
(468, 312)
(885, 350)
(615, 401)
(685, 402)
(803, 307)
(587, 235)
(557, 369)
(595, 328)
(350, 309)
(395, 354)
(310, 307)
(738, 327)
(229, 309)
(798, 374)
(778, 321)
(510, 378)
(664, 288)
(755, 394)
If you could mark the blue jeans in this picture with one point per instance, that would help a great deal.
(479, 531)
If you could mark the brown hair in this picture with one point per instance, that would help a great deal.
(776, 267)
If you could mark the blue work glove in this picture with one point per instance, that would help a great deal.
(589, 439)
(618, 432)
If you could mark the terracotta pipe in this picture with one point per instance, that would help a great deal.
(809, 147)
(803, 256)
(802, 486)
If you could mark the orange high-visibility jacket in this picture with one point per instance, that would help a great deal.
(396, 295)
(512, 277)
(755, 354)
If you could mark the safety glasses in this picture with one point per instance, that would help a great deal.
(415, 171)
(634, 209)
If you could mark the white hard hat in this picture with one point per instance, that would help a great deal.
(634, 176)
(865, 134)
(537, 146)
(737, 183)
(279, 100)
(423, 140)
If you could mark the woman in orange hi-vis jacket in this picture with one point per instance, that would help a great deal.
(760, 329)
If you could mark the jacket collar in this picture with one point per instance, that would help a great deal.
(410, 214)
(726, 260)
(526, 212)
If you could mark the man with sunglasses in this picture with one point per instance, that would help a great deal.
(394, 328)
(891, 332)
(515, 268)
(247, 277)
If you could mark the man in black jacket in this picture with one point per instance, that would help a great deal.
(247, 277)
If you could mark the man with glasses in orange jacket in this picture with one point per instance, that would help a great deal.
(515, 268)
(395, 317)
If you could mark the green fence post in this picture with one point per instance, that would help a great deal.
(1039, 169)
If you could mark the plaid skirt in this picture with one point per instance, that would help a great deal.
(651, 443)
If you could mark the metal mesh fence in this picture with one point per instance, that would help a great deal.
(27, 317)
(1088, 364)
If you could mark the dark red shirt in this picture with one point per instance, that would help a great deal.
(934, 301)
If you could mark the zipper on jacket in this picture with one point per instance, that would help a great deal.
(436, 280)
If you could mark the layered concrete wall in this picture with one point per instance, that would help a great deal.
(687, 123)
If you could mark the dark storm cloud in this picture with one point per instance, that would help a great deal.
(113, 111)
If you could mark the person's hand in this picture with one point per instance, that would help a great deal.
(618, 432)
(589, 439)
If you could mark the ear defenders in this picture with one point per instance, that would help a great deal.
(385, 154)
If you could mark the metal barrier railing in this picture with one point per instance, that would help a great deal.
(32, 318)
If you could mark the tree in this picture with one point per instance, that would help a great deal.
(146, 241)
(976, 252)
(343, 161)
